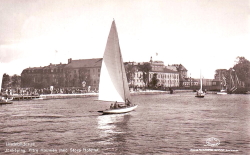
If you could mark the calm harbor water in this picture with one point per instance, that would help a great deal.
(162, 124)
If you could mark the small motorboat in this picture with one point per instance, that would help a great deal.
(200, 95)
(222, 92)
(2, 101)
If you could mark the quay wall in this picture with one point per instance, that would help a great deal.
(64, 96)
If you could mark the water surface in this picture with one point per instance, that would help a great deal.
(162, 124)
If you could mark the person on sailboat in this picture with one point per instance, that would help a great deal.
(128, 103)
(3, 99)
(111, 106)
(116, 105)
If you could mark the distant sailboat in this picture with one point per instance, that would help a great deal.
(113, 84)
(223, 90)
(235, 85)
(200, 93)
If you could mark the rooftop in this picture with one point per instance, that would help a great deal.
(97, 62)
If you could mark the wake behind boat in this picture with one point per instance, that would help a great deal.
(113, 84)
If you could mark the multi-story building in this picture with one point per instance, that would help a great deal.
(82, 71)
(166, 77)
(183, 79)
(40, 77)
(189, 82)
(180, 68)
(73, 74)
(86, 72)
(205, 82)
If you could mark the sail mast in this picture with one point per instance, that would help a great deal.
(201, 80)
(122, 78)
(121, 61)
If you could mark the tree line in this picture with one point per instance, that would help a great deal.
(241, 69)
(11, 81)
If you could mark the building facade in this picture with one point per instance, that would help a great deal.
(165, 76)
(83, 73)
(76, 73)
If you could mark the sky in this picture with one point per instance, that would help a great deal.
(202, 35)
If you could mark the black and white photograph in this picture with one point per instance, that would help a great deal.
(124, 77)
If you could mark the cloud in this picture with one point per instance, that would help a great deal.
(9, 53)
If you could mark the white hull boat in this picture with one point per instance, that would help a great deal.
(222, 93)
(200, 95)
(120, 110)
(40, 98)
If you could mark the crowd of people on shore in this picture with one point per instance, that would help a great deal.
(33, 91)
(44, 91)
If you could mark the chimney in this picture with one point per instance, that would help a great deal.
(69, 60)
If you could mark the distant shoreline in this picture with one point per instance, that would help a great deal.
(148, 92)
(84, 95)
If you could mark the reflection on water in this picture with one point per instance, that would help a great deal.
(112, 128)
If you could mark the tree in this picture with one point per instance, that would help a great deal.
(84, 76)
(145, 68)
(154, 81)
(130, 71)
(6, 81)
(16, 81)
(242, 69)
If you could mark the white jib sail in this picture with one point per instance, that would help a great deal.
(107, 90)
(200, 91)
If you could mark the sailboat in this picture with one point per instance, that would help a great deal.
(223, 90)
(113, 84)
(200, 93)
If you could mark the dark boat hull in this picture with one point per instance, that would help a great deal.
(199, 96)
(3, 102)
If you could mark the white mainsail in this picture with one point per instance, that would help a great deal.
(1, 75)
(113, 84)
(200, 91)
(1, 80)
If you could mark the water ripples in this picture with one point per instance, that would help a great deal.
(162, 124)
